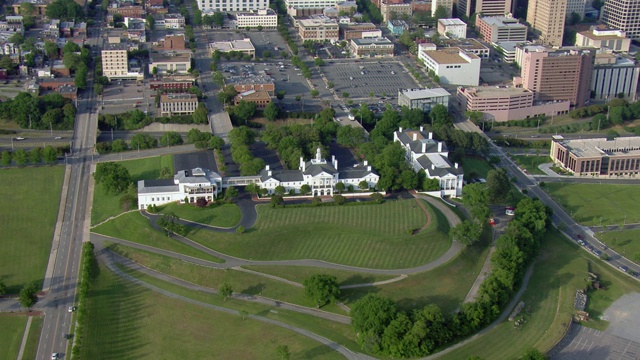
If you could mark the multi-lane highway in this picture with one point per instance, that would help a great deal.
(62, 277)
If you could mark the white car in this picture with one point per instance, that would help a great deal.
(54, 356)
(58, 137)
(20, 138)
(72, 308)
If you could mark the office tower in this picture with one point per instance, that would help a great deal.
(547, 18)
(623, 15)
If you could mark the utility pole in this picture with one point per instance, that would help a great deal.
(51, 127)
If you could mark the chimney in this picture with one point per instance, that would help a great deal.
(400, 129)
(433, 166)
(430, 135)
(439, 146)
(303, 166)
(456, 165)
(415, 136)
(366, 163)
(335, 164)
(267, 167)
(424, 148)
(369, 168)
(268, 172)
(421, 128)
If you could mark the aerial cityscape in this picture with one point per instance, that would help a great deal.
(320, 179)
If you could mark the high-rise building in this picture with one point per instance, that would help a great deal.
(576, 6)
(623, 15)
(485, 7)
(115, 64)
(446, 4)
(547, 18)
(558, 74)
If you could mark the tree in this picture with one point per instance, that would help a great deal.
(6, 158)
(280, 190)
(330, 85)
(467, 232)
(441, 13)
(283, 352)
(345, 94)
(17, 39)
(113, 176)
(322, 289)
(476, 198)
(270, 111)
(231, 193)
(314, 93)
(305, 189)
(64, 10)
(350, 136)
(276, 200)
(118, 146)
(20, 157)
(318, 62)
(81, 76)
(200, 115)
(51, 49)
(533, 354)
(227, 94)
(3, 288)
(216, 142)
(498, 185)
(151, 21)
(363, 185)
(143, 141)
(165, 173)
(28, 296)
(340, 187)
(243, 111)
(35, 155)
(369, 317)
(225, 290)
(171, 138)
(280, 95)
(49, 154)
(98, 88)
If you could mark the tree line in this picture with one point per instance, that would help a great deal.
(241, 138)
(36, 156)
(50, 111)
(383, 329)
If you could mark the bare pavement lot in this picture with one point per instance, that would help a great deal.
(620, 341)
(361, 78)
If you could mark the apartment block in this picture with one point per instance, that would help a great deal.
(615, 75)
(266, 18)
(453, 28)
(602, 157)
(211, 6)
(623, 15)
(389, 8)
(114, 61)
(178, 104)
(452, 65)
(318, 29)
(603, 38)
(446, 4)
(547, 18)
(496, 29)
(504, 103)
(558, 75)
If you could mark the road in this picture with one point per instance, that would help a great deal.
(560, 217)
(67, 244)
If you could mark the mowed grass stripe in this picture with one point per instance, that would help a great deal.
(376, 236)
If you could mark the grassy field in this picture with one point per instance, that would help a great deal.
(212, 278)
(376, 236)
(227, 215)
(625, 242)
(31, 347)
(453, 280)
(559, 271)
(11, 332)
(593, 204)
(126, 321)
(136, 228)
(476, 165)
(300, 273)
(531, 163)
(31, 198)
(107, 204)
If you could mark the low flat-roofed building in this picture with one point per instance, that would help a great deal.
(603, 38)
(452, 65)
(508, 49)
(257, 83)
(614, 75)
(423, 99)
(504, 103)
(49, 83)
(602, 157)
(471, 46)
(372, 47)
(356, 31)
(267, 18)
(174, 21)
(178, 104)
(68, 91)
(501, 28)
(347, 6)
(261, 98)
(173, 83)
(452, 28)
(397, 27)
(318, 29)
(170, 63)
(243, 46)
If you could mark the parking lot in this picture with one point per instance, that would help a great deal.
(360, 78)
(122, 96)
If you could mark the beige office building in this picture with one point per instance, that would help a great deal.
(496, 29)
(114, 61)
(484, 7)
(178, 104)
(318, 29)
(619, 157)
(547, 18)
(603, 38)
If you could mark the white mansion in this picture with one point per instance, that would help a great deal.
(423, 152)
(321, 176)
(186, 185)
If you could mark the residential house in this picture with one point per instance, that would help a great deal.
(186, 186)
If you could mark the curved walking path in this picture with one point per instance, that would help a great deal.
(331, 344)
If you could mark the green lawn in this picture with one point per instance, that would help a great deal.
(226, 215)
(559, 271)
(136, 228)
(11, 332)
(445, 286)
(30, 198)
(375, 236)
(625, 242)
(477, 165)
(593, 204)
(212, 278)
(31, 348)
(531, 162)
(300, 273)
(107, 204)
(127, 321)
